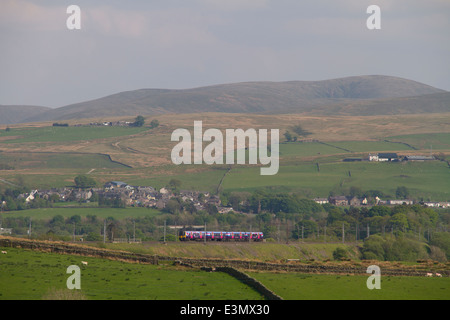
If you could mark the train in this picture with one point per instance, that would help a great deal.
(220, 236)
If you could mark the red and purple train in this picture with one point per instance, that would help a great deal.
(221, 236)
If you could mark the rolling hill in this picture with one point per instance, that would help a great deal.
(16, 114)
(358, 95)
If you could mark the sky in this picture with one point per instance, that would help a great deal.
(180, 44)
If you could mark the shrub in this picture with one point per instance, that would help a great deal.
(339, 254)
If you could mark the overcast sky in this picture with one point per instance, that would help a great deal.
(177, 44)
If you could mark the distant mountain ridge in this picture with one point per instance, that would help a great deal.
(358, 95)
(11, 114)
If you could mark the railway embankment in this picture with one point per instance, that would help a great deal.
(330, 267)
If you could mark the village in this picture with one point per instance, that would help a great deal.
(147, 196)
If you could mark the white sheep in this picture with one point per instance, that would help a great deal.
(429, 275)
(4, 252)
(84, 263)
(438, 275)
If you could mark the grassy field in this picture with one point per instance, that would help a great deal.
(32, 275)
(269, 252)
(427, 180)
(294, 286)
(29, 275)
(65, 134)
(435, 141)
(83, 212)
(57, 161)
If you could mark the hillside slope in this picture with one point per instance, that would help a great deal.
(247, 97)
(10, 114)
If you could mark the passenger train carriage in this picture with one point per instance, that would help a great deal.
(221, 236)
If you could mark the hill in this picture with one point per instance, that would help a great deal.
(10, 114)
(255, 97)
(428, 103)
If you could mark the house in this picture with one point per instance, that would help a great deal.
(5, 230)
(432, 204)
(31, 196)
(214, 200)
(400, 202)
(339, 200)
(354, 201)
(115, 184)
(383, 157)
(224, 209)
(373, 157)
(321, 200)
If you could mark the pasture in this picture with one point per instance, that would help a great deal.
(31, 275)
(295, 286)
(425, 180)
(83, 212)
(65, 134)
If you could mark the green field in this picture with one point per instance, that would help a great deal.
(29, 275)
(317, 149)
(294, 286)
(60, 160)
(32, 275)
(426, 141)
(100, 213)
(427, 180)
(66, 134)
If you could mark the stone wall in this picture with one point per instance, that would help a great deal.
(251, 282)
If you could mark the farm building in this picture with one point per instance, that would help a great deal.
(419, 158)
(383, 157)
(387, 157)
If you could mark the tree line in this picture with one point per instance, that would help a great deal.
(387, 232)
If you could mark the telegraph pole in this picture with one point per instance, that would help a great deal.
(164, 231)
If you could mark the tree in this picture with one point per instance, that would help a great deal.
(154, 123)
(300, 131)
(288, 136)
(174, 185)
(339, 254)
(82, 181)
(402, 192)
(139, 121)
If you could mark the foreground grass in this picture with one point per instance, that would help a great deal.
(30, 275)
(295, 286)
